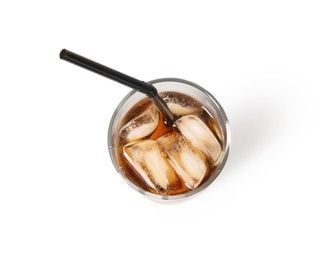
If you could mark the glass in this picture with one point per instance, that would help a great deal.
(183, 87)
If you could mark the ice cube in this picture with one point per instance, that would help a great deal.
(142, 125)
(200, 136)
(188, 163)
(148, 159)
(181, 104)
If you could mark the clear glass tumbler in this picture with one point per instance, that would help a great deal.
(183, 87)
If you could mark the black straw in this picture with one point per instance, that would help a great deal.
(122, 78)
(115, 75)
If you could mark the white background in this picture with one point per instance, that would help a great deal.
(265, 61)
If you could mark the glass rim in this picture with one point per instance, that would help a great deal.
(204, 185)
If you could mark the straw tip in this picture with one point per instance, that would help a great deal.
(62, 54)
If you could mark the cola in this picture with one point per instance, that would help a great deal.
(169, 159)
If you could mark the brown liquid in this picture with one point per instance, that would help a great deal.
(161, 130)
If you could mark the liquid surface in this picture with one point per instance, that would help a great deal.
(169, 160)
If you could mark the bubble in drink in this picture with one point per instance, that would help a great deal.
(164, 159)
(147, 159)
(142, 125)
(190, 165)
